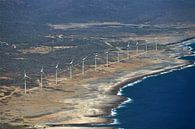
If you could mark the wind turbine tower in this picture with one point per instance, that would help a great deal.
(71, 63)
(96, 61)
(25, 81)
(107, 58)
(42, 77)
(83, 65)
(137, 47)
(57, 73)
(128, 51)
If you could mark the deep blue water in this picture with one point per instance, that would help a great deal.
(161, 102)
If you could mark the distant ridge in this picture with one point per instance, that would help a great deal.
(19, 19)
(131, 11)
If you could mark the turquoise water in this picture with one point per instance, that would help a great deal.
(166, 101)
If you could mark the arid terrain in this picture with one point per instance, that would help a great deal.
(84, 100)
(63, 62)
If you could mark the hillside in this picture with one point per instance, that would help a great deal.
(134, 11)
(21, 19)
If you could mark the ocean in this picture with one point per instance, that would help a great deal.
(166, 101)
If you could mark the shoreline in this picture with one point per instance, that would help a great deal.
(133, 81)
(142, 78)
(124, 83)
(102, 92)
(130, 81)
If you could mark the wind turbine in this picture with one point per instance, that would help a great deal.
(57, 73)
(25, 81)
(42, 72)
(96, 61)
(107, 58)
(71, 63)
(128, 51)
(137, 47)
(83, 65)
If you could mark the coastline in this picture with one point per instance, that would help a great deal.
(106, 96)
(156, 73)
(114, 89)
(140, 79)
(133, 81)
(123, 84)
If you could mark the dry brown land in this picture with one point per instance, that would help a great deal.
(81, 100)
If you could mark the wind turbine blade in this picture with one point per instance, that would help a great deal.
(25, 76)
(42, 69)
(28, 77)
(57, 65)
(128, 45)
(71, 62)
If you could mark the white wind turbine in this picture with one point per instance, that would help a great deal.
(70, 67)
(137, 47)
(107, 58)
(95, 61)
(42, 72)
(128, 46)
(25, 81)
(57, 73)
(83, 65)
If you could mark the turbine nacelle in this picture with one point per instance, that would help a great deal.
(137, 43)
(71, 62)
(42, 70)
(25, 76)
(84, 58)
(57, 66)
(128, 45)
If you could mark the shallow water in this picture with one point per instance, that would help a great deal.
(166, 101)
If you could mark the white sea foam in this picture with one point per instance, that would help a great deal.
(128, 85)
(115, 122)
(190, 48)
(113, 112)
(189, 55)
(188, 42)
(129, 100)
